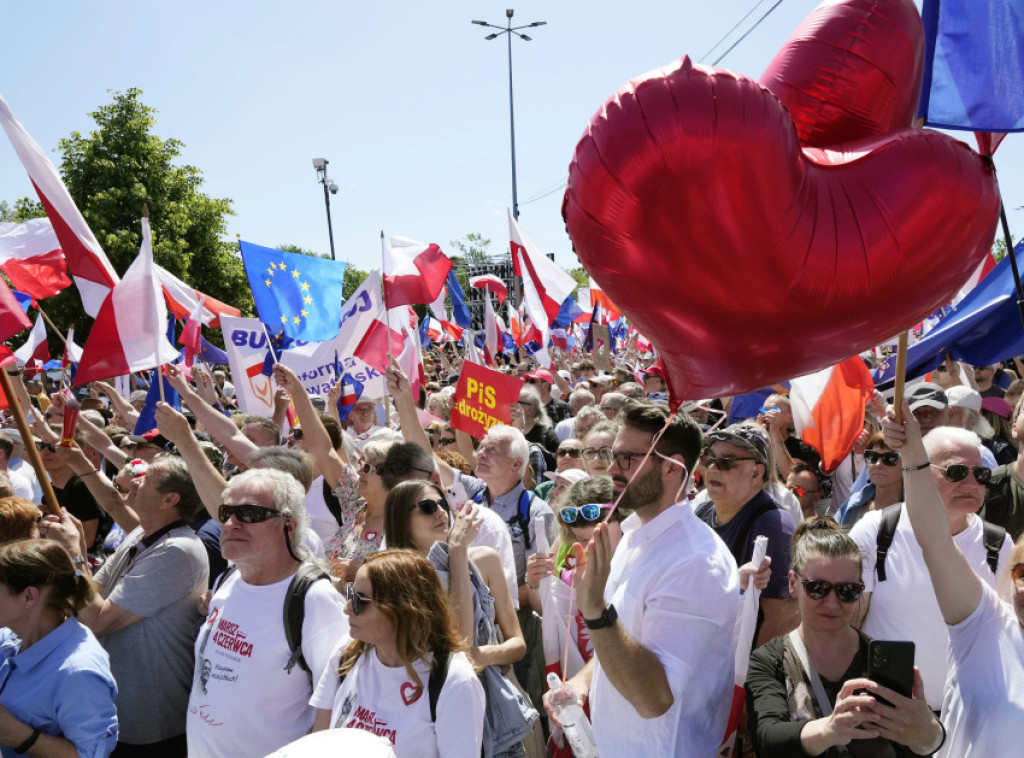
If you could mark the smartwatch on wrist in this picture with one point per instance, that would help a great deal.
(607, 618)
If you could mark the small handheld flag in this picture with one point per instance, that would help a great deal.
(351, 391)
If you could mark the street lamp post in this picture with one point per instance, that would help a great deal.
(509, 30)
(330, 188)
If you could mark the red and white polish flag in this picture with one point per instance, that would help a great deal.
(414, 273)
(36, 351)
(130, 332)
(88, 264)
(545, 284)
(30, 255)
(182, 300)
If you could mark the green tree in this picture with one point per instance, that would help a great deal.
(474, 248)
(114, 172)
(581, 276)
(999, 247)
(24, 209)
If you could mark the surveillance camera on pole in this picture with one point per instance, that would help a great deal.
(330, 188)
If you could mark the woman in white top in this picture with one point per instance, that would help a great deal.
(402, 631)
(983, 706)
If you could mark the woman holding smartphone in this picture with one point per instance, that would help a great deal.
(807, 691)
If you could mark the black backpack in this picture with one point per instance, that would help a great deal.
(294, 611)
(993, 538)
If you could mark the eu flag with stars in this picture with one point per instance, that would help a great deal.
(297, 296)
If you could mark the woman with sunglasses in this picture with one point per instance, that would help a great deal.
(884, 487)
(418, 518)
(403, 632)
(807, 691)
(358, 488)
(983, 703)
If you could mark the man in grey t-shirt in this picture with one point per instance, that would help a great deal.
(146, 615)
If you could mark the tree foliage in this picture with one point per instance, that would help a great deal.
(23, 209)
(474, 248)
(122, 167)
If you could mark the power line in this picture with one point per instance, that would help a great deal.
(561, 186)
(735, 27)
(747, 33)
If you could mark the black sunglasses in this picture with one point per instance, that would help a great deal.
(366, 468)
(957, 472)
(446, 441)
(359, 602)
(569, 452)
(887, 459)
(41, 446)
(799, 491)
(723, 464)
(246, 513)
(430, 507)
(818, 589)
(589, 512)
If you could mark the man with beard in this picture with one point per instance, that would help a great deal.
(662, 609)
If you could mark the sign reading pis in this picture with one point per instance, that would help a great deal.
(483, 398)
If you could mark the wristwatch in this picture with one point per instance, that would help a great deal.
(607, 618)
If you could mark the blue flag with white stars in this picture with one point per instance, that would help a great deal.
(297, 296)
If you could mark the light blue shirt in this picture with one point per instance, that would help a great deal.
(61, 686)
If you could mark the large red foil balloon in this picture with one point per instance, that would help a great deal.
(748, 257)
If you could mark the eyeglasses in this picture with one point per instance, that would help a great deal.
(529, 381)
(246, 513)
(359, 602)
(569, 452)
(957, 472)
(887, 459)
(940, 369)
(41, 446)
(377, 468)
(799, 491)
(818, 589)
(129, 446)
(446, 441)
(430, 507)
(624, 459)
(724, 463)
(589, 512)
(593, 453)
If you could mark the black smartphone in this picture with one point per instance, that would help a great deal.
(891, 664)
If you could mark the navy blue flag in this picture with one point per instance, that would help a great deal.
(984, 329)
(23, 299)
(424, 333)
(297, 296)
(460, 311)
(974, 65)
(211, 354)
(569, 312)
(588, 342)
(278, 344)
(147, 416)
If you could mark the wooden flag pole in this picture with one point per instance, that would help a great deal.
(901, 376)
(49, 498)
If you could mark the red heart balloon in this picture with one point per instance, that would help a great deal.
(748, 258)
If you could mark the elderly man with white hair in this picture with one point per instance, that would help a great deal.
(898, 602)
(965, 413)
(271, 626)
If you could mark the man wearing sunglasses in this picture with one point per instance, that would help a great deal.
(661, 610)
(255, 696)
(898, 602)
(803, 482)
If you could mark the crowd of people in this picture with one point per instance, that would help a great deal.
(379, 581)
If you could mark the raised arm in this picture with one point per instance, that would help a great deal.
(220, 427)
(121, 406)
(315, 438)
(957, 588)
(108, 498)
(101, 443)
(401, 395)
(210, 484)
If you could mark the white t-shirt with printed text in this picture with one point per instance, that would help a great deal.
(243, 702)
(384, 701)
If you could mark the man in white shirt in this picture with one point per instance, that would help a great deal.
(22, 487)
(662, 610)
(251, 691)
(903, 606)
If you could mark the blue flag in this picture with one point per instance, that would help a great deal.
(297, 296)
(351, 391)
(211, 353)
(278, 344)
(974, 65)
(147, 416)
(23, 299)
(569, 312)
(460, 311)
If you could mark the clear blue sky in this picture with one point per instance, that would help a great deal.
(407, 101)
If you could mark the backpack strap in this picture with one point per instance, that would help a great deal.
(994, 536)
(523, 516)
(886, 531)
(295, 614)
(333, 504)
(438, 675)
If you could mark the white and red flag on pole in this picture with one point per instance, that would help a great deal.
(492, 335)
(490, 283)
(413, 272)
(88, 264)
(183, 299)
(828, 408)
(545, 285)
(36, 351)
(192, 334)
(130, 332)
(30, 255)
